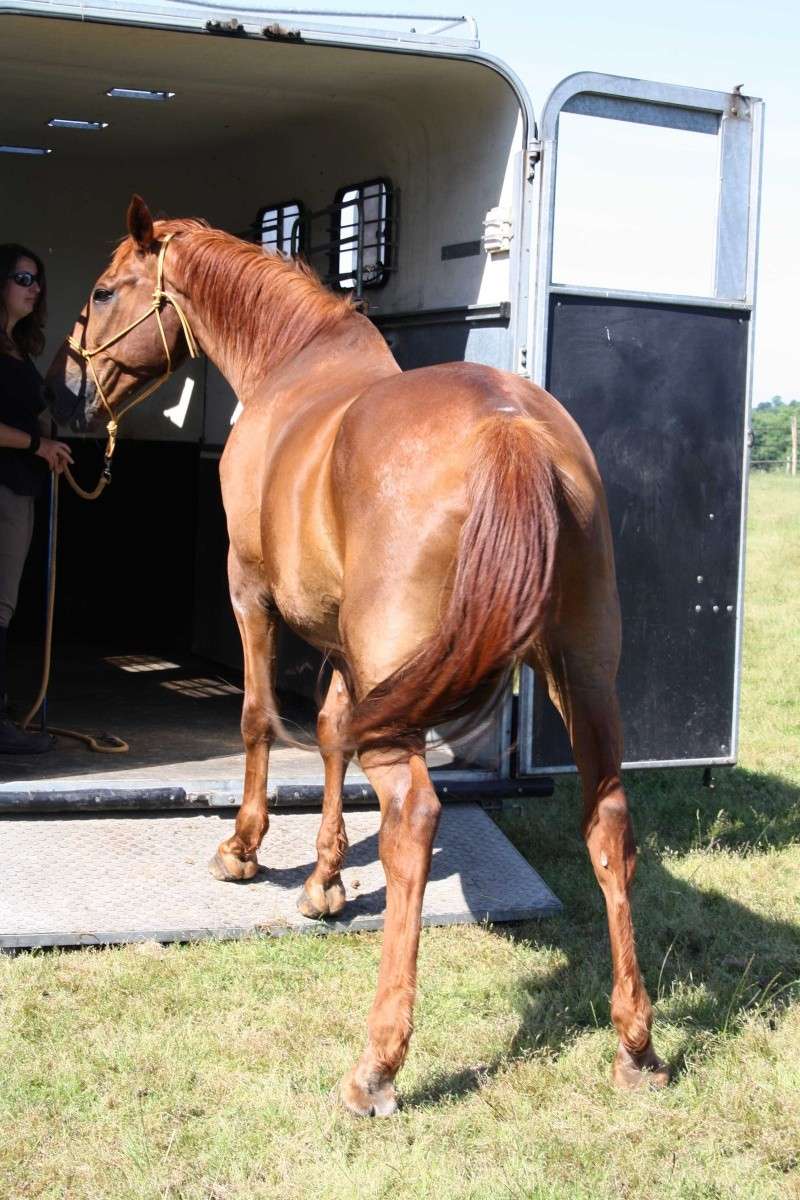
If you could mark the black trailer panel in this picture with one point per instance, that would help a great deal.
(659, 391)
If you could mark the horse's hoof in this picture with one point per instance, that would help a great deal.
(230, 869)
(316, 901)
(633, 1071)
(372, 1100)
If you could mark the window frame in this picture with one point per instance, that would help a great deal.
(279, 210)
(386, 220)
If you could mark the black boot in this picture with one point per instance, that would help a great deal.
(12, 739)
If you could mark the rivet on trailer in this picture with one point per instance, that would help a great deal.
(407, 166)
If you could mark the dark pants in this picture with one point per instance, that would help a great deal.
(16, 531)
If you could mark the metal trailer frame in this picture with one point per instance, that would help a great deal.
(736, 119)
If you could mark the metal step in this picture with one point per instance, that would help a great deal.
(295, 781)
(87, 880)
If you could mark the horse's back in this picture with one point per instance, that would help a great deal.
(410, 437)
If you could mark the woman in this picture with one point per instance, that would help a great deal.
(26, 455)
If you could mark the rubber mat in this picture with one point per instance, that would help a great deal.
(99, 880)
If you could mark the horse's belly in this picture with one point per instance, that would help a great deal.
(311, 609)
(302, 572)
(301, 543)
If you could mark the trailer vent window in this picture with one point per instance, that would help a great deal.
(66, 123)
(280, 227)
(32, 150)
(362, 242)
(118, 93)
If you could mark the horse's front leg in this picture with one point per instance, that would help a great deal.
(235, 859)
(409, 819)
(323, 894)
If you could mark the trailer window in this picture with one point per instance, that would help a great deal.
(280, 227)
(361, 241)
(647, 222)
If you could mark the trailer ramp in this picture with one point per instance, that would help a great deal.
(89, 880)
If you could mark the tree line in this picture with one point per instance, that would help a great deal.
(771, 423)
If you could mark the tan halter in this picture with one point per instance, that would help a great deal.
(160, 297)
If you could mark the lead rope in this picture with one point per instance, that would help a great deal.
(105, 477)
(103, 743)
(107, 743)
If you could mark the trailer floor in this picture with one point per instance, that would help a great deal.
(168, 709)
(83, 880)
(180, 716)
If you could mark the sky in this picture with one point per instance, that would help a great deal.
(699, 43)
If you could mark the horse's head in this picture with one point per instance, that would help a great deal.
(130, 334)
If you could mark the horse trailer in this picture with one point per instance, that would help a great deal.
(407, 167)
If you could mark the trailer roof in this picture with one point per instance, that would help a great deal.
(226, 88)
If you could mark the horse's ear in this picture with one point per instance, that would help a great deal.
(140, 223)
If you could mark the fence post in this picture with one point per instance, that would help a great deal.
(794, 443)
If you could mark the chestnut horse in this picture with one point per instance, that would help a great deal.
(427, 529)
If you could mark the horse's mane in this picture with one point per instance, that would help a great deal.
(264, 304)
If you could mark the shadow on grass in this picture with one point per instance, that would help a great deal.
(707, 958)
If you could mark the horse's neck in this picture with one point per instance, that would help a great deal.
(352, 343)
(253, 327)
(238, 375)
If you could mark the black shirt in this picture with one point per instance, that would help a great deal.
(21, 402)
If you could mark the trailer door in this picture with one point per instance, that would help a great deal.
(657, 374)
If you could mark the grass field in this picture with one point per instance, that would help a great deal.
(204, 1071)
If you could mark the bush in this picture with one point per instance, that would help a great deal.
(772, 432)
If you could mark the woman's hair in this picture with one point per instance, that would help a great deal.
(28, 334)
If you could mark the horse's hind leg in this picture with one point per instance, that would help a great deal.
(323, 893)
(580, 672)
(409, 818)
(235, 859)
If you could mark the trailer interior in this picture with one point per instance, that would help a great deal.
(284, 142)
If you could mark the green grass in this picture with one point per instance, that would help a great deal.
(204, 1071)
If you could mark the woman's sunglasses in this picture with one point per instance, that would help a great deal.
(24, 278)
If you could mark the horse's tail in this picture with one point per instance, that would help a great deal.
(501, 587)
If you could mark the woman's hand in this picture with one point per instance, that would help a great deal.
(57, 455)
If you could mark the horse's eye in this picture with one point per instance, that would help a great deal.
(100, 295)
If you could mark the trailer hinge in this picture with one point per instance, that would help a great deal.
(534, 156)
(522, 363)
(740, 105)
(230, 28)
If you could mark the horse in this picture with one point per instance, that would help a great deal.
(426, 529)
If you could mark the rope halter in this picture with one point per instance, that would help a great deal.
(160, 298)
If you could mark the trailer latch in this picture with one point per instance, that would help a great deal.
(498, 230)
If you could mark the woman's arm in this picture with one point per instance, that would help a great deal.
(15, 439)
(56, 454)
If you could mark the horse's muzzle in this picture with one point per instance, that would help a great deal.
(69, 399)
(63, 403)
